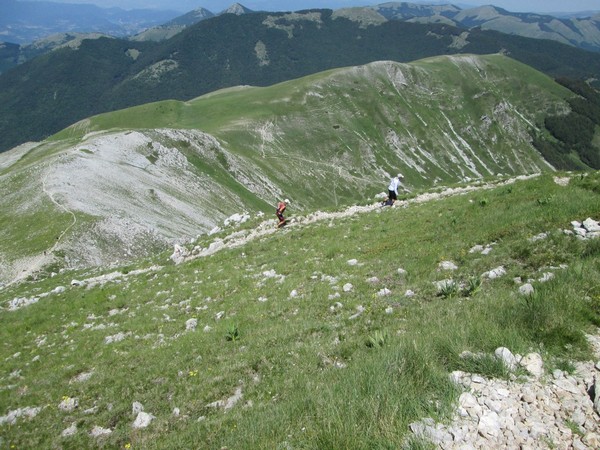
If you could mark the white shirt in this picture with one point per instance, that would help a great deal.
(394, 184)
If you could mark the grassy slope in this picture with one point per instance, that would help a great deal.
(308, 378)
(325, 140)
(30, 222)
(335, 127)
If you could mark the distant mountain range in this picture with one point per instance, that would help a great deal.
(26, 31)
(22, 22)
(56, 89)
(29, 29)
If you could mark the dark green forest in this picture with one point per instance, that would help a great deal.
(574, 132)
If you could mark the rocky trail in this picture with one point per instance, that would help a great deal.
(240, 238)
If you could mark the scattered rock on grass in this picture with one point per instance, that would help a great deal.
(359, 310)
(136, 408)
(70, 431)
(27, 412)
(588, 229)
(98, 431)
(494, 273)
(447, 265)
(142, 420)
(191, 324)
(526, 289)
(229, 402)
(68, 404)
(506, 356)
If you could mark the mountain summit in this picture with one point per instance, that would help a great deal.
(237, 9)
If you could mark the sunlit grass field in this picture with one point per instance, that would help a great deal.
(329, 335)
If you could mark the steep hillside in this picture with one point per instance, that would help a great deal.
(51, 92)
(12, 55)
(459, 318)
(142, 178)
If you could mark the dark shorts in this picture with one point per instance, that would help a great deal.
(392, 195)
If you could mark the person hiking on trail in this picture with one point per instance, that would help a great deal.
(393, 187)
(280, 209)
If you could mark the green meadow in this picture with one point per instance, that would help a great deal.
(330, 334)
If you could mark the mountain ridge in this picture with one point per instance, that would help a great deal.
(580, 30)
(325, 140)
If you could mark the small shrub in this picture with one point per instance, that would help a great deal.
(566, 366)
(233, 333)
(378, 339)
(574, 428)
(222, 159)
(182, 143)
(448, 289)
(592, 248)
(545, 201)
(589, 182)
(153, 157)
(473, 286)
(486, 364)
(592, 310)
(535, 310)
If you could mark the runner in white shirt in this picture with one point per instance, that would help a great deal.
(393, 187)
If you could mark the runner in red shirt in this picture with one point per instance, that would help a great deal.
(280, 209)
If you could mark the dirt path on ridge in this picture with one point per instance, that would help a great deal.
(29, 265)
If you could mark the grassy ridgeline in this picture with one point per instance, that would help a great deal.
(177, 169)
(310, 375)
(446, 118)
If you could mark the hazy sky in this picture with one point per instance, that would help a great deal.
(216, 6)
